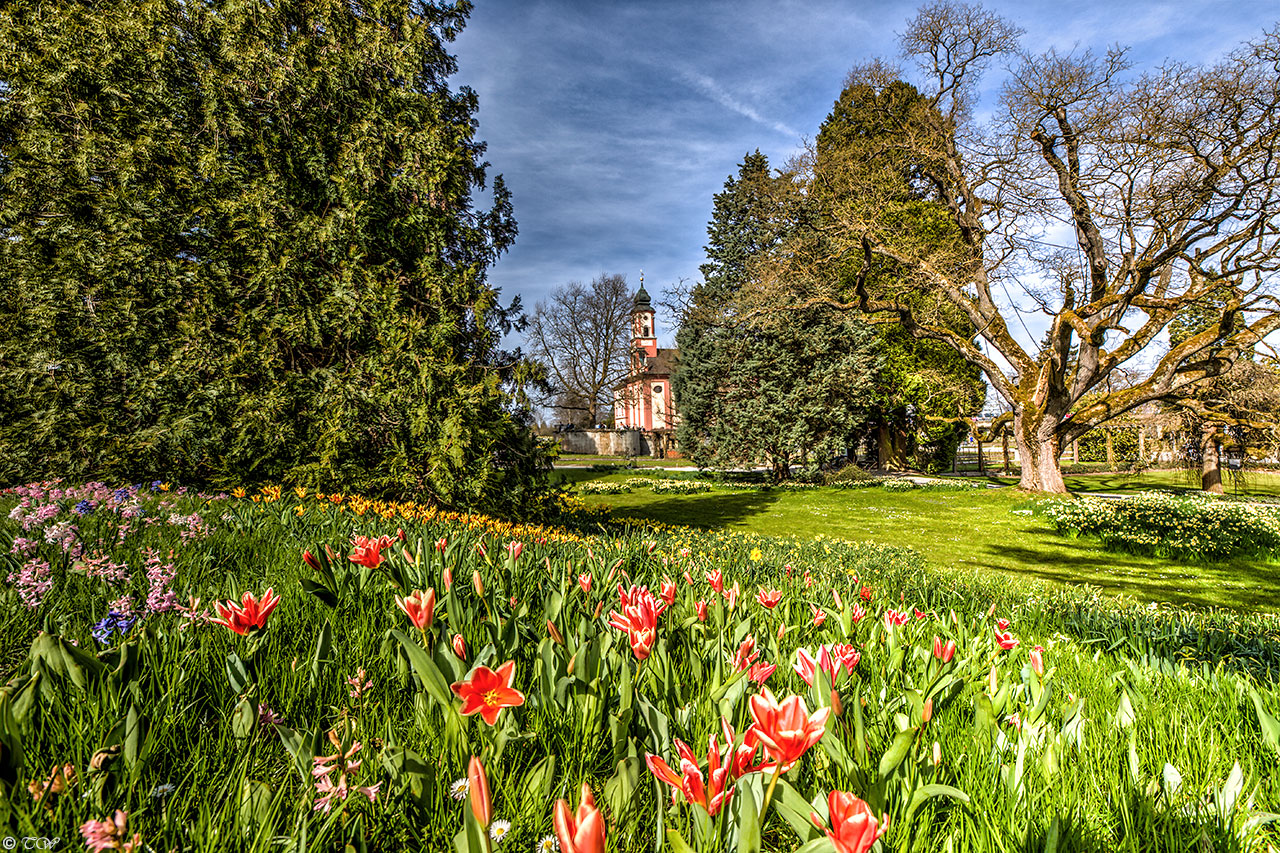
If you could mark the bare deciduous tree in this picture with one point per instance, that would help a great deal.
(1160, 185)
(582, 334)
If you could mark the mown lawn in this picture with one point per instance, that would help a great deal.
(986, 530)
(1260, 484)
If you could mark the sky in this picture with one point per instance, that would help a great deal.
(614, 123)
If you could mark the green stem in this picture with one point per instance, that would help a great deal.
(768, 794)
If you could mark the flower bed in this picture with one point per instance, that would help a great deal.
(289, 668)
(1183, 527)
(605, 487)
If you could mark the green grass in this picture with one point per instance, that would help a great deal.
(182, 697)
(987, 530)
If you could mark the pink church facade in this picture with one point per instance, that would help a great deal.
(643, 400)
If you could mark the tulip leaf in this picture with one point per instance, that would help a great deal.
(676, 842)
(320, 591)
(237, 674)
(897, 751)
(323, 643)
(794, 809)
(748, 825)
(925, 793)
(1269, 724)
(428, 673)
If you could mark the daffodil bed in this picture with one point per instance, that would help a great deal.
(303, 671)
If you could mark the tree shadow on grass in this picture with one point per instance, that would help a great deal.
(1243, 584)
(709, 510)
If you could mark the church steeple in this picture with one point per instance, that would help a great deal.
(643, 331)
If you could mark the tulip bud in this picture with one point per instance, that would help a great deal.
(554, 632)
(310, 560)
(837, 707)
(835, 593)
(937, 754)
(649, 546)
(701, 608)
(573, 663)
(400, 535)
(408, 558)
(599, 607)
(459, 646)
(477, 583)
(782, 630)
(927, 715)
(1037, 660)
(442, 544)
(448, 579)
(478, 788)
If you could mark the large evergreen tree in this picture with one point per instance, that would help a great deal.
(924, 389)
(239, 243)
(763, 388)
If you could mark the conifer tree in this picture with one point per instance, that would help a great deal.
(239, 244)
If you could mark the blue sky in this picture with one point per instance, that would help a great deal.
(614, 123)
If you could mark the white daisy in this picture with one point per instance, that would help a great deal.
(458, 790)
(547, 844)
(498, 829)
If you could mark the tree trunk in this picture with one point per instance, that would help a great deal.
(1004, 447)
(1111, 451)
(1038, 449)
(890, 448)
(1210, 462)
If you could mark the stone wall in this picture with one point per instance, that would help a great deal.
(616, 442)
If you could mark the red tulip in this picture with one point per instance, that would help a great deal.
(477, 582)
(830, 660)
(866, 593)
(310, 560)
(854, 828)
(710, 791)
(668, 590)
(894, 619)
(515, 549)
(701, 608)
(819, 615)
(716, 579)
(856, 613)
(688, 578)
(639, 619)
(442, 544)
(1002, 624)
(447, 577)
(920, 614)
(746, 655)
(459, 646)
(769, 597)
(760, 672)
(1037, 660)
(786, 729)
(367, 552)
(582, 832)
(249, 615)
(731, 595)
(942, 652)
(487, 692)
(1006, 640)
(584, 581)
(419, 606)
(478, 788)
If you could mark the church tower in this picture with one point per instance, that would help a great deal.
(644, 335)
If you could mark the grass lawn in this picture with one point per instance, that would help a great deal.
(982, 530)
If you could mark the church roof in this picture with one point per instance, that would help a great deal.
(659, 366)
(642, 301)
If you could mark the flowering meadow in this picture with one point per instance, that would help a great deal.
(290, 670)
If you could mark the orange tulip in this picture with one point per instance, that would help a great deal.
(639, 619)
(419, 606)
(488, 691)
(769, 597)
(478, 788)
(854, 828)
(582, 832)
(786, 729)
(249, 615)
